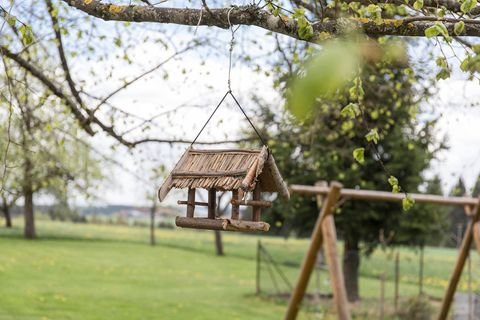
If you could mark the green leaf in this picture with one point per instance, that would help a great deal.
(465, 63)
(332, 69)
(442, 62)
(359, 155)
(393, 181)
(431, 32)
(373, 135)
(438, 29)
(407, 203)
(468, 5)
(418, 5)
(459, 27)
(443, 74)
(476, 48)
(27, 34)
(352, 110)
(11, 20)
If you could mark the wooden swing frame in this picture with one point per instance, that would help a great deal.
(324, 233)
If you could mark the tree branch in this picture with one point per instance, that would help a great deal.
(254, 16)
(450, 5)
(56, 90)
(61, 53)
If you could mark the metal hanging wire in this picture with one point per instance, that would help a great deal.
(229, 83)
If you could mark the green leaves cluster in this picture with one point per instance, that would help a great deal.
(305, 29)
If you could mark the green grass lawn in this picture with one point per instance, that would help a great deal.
(76, 271)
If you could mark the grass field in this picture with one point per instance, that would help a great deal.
(110, 272)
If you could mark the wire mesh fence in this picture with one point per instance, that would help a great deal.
(393, 281)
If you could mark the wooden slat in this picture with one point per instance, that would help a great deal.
(222, 224)
(190, 203)
(311, 255)
(253, 203)
(249, 181)
(235, 207)
(236, 151)
(256, 210)
(476, 235)
(212, 203)
(198, 174)
(196, 203)
(167, 184)
(357, 194)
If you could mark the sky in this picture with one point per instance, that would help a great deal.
(195, 93)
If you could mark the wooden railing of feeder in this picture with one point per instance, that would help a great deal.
(232, 224)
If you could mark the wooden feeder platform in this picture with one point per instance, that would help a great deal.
(237, 170)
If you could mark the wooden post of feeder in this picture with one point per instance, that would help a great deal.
(235, 207)
(191, 202)
(256, 210)
(460, 263)
(212, 203)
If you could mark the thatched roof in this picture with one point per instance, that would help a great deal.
(225, 170)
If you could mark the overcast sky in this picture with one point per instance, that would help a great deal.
(205, 84)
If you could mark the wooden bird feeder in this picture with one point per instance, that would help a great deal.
(238, 171)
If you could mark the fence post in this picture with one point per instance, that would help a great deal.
(420, 272)
(259, 261)
(397, 280)
(382, 295)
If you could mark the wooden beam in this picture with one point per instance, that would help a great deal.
(253, 203)
(335, 271)
(476, 228)
(311, 255)
(256, 210)
(212, 203)
(222, 224)
(208, 174)
(476, 235)
(370, 195)
(249, 181)
(460, 263)
(235, 207)
(196, 203)
(191, 202)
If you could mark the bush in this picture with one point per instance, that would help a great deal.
(417, 308)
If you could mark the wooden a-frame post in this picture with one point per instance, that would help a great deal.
(322, 233)
(460, 263)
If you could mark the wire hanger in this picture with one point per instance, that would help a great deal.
(229, 92)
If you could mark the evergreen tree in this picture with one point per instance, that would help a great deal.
(458, 220)
(321, 149)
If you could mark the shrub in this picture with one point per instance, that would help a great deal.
(417, 308)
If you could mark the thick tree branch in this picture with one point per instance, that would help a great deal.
(254, 16)
(450, 5)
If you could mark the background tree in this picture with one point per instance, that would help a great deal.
(457, 218)
(320, 148)
(425, 224)
(47, 145)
